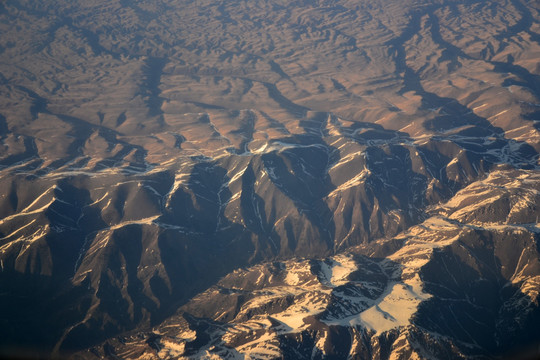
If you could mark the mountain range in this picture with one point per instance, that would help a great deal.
(265, 179)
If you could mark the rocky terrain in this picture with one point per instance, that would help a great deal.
(447, 288)
(270, 179)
